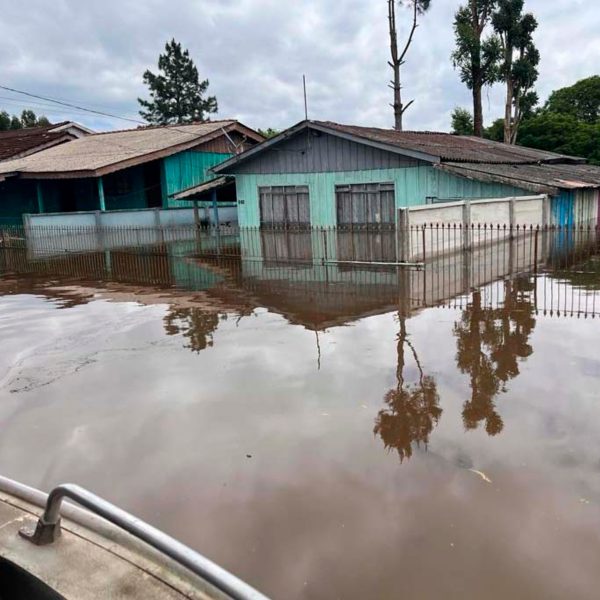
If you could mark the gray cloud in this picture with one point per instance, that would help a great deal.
(255, 51)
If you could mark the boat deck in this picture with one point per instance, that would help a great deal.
(84, 563)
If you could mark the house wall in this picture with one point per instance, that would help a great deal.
(186, 169)
(581, 207)
(307, 153)
(16, 197)
(413, 186)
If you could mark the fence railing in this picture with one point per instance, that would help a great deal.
(531, 246)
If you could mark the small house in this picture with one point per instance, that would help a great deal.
(17, 143)
(129, 169)
(323, 174)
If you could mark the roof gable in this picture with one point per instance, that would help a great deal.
(432, 147)
(103, 153)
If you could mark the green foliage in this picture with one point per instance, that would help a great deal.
(495, 131)
(176, 93)
(520, 59)
(581, 100)
(475, 58)
(462, 121)
(269, 132)
(4, 121)
(562, 133)
(28, 119)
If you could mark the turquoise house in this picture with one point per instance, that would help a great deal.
(322, 174)
(130, 169)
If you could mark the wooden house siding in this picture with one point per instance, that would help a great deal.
(308, 153)
(412, 186)
(186, 169)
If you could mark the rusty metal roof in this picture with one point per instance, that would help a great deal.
(539, 178)
(19, 142)
(449, 147)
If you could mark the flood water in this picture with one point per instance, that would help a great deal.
(322, 431)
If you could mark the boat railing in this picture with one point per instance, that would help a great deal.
(48, 530)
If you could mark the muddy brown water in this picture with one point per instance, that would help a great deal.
(314, 431)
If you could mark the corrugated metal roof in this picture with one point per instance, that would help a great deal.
(543, 178)
(449, 147)
(20, 141)
(97, 153)
(202, 188)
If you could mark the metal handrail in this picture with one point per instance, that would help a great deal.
(48, 530)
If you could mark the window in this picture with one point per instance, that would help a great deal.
(284, 206)
(370, 204)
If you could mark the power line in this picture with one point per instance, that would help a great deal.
(68, 104)
(105, 114)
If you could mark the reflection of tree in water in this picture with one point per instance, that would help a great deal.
(194, 324)
(490, 341)
(412, 410)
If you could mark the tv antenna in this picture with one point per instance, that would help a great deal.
(305, 101)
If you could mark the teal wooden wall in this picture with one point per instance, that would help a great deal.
(186, 169)
(412, 186)
(17, 197)
(134, 198)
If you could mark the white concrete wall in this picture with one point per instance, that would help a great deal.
(452, 226)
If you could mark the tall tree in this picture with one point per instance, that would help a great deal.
(518, 67)
(418, 8)
(176, 93)
(476, 57)
(462, 121)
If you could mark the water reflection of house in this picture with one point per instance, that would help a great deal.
(129, 169)
(323, 174)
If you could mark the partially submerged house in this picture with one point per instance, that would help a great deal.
(129, 169)
(17, 143)
(323, 174)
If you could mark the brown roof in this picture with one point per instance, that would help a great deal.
(449, 147)
(20, 142)
(101, 153)
(539, 178)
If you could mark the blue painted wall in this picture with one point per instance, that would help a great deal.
(413, 185)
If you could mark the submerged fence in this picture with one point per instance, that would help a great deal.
(525, 246)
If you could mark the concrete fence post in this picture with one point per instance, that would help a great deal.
(158, 225)
(98, 223)
(403, 235)
(512, 216)
(545, 211)
(466, 225)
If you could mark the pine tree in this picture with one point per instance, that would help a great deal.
(176, 93)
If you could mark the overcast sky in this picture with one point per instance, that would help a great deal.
(254, 53)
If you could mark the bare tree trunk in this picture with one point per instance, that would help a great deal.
(509, 97)
(395, 65)
(477, 111)
(398, 60)
(477, 105)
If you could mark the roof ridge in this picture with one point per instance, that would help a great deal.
(169, 126)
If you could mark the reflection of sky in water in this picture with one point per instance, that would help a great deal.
(99, 394)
